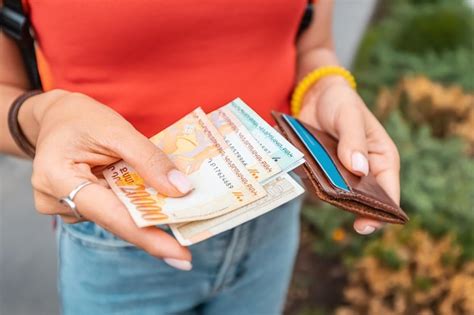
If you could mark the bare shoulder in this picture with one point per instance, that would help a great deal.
(319, 32)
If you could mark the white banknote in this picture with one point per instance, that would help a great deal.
(280, 190)
(275, 145)
(247, 150)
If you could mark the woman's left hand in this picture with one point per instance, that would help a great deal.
(334, 107)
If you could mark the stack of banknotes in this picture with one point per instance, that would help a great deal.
(238, 165)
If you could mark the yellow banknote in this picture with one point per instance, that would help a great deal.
(247, 150)
(221, 182)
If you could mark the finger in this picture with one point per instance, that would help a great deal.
(366, 226)
(103, 182)
(308, 113)
(100, 205)
(352, 146)
(153, 165)
(389, 180)
(72, 219)
(385, 161)
(46, 204)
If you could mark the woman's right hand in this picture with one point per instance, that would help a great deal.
(76, 135)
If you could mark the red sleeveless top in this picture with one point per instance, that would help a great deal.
(154, 61)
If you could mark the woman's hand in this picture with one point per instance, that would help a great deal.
(76, 135)
(334, 107)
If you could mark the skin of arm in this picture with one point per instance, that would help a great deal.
(13, 82)
(315, 46)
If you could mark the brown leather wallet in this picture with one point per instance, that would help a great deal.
(361, 195)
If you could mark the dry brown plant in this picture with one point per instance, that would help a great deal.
(429, 280)
(448, 110)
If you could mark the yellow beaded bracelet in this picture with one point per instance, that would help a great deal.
(311, 78)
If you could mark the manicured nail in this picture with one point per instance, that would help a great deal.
(360, 163)
(179, 264)
(366, 230)
(180, 181)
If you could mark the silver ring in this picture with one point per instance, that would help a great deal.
(68, 201)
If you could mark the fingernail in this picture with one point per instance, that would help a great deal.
(366, 230)
(180, 181)
(360, 163)
(179, 264)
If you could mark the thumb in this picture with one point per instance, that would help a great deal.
(153, 165)
(352, 146)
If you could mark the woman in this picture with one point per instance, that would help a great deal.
(116, 73)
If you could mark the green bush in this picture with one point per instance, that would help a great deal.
(437, 181)
(450, 67)
(433, 28)
(433, 38)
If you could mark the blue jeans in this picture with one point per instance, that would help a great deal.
(244, 271)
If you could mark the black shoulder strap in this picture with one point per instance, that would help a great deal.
(307, 17)
(15, 24)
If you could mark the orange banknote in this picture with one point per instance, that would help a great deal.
(222, 183)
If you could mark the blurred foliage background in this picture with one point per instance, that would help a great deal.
(415, 69)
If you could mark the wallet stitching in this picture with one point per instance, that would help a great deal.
(347, 195)
(377, 202)
(366, 211)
